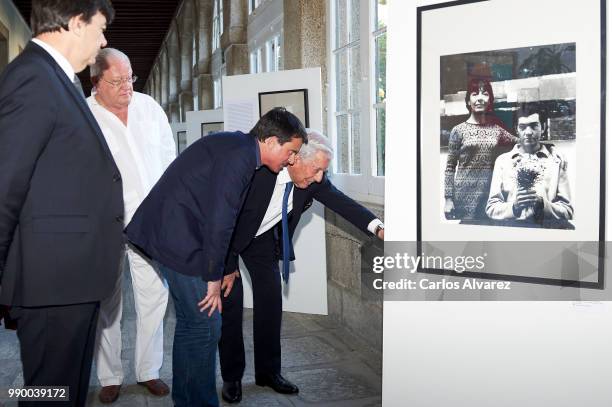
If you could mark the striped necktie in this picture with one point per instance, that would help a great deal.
(77, 84)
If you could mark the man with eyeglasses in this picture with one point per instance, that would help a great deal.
(141, 142)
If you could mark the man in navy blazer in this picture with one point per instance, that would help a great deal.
(61, 205)
(186, 223)
(257, 240)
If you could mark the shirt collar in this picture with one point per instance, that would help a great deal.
(283, 177)
(58, 57)
(541, 153)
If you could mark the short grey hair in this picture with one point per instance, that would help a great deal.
(97, 68)
(316, 142)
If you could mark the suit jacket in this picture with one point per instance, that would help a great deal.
(60, 232)
(258, 199)
(186, 221)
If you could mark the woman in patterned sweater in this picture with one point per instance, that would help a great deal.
(472, 149)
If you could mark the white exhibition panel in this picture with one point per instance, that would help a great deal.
(307, 288)
(478, 354)
(195, 120)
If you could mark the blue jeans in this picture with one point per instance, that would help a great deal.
(195, 343)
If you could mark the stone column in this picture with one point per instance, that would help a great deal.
(206, 92)
(305, 39)
(173, 63)
(165, 82)
(174, 113)
(234, 38)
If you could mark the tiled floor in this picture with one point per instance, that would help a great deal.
(330, 366)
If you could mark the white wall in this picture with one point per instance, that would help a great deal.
(19, 31)
(477, 354)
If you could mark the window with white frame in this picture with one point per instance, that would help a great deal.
(346, 50)
(255, 58)
(357, 54)
(273, 55)
(217, 23)
(379, 37)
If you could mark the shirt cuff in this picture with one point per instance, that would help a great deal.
(374, 224)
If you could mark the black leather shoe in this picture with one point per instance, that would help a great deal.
(278, 383)
(232, 392)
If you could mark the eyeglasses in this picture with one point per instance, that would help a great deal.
(117, 83)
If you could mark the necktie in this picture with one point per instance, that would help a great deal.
(77, 84)
(287, 247)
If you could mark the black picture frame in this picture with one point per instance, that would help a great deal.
(203, 131)
(420, 170)
(267, 101)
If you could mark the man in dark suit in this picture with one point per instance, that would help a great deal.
(61, 205)
(257, 239)
(186, 223)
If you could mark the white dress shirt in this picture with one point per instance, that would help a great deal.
(142, 150)
(58, 57)
(274, 212)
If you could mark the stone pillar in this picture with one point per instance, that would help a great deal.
(186, 45)
(157, 95)
(173, 63)
(204, 36)
(305, 39)
(234, 38)
(206, 98)
(185, 104)
(174, 113)
(165, 82)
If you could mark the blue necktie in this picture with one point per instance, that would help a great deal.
(287, 248)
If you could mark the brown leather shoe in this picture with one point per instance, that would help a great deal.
(109, 394)
(156, 387)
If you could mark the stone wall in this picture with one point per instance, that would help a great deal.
(348, 302)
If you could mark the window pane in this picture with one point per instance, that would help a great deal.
(342, 133)
(381, 68)
(354, 13)
(342, 81)
(380, 141)
(355, 144)
(381, 14)
(341, 23)
(355, 77)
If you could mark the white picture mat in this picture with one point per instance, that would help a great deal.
(473, 354)
(576, 23)
(195, 119)
(307, 288)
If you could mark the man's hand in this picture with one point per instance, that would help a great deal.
(212, 299)
(381, 233)
(228, 283)
(527, 199)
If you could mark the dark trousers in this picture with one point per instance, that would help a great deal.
(57, 344)
(262, 264)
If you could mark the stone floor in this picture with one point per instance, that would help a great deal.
(331, 367)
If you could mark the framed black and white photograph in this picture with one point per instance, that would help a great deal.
(511, 123)
(294, 100)
(181, 141)
(209, 128)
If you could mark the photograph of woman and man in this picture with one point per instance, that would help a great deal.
(508, 136)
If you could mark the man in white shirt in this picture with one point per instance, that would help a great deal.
(261, 239)
(141, 142)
